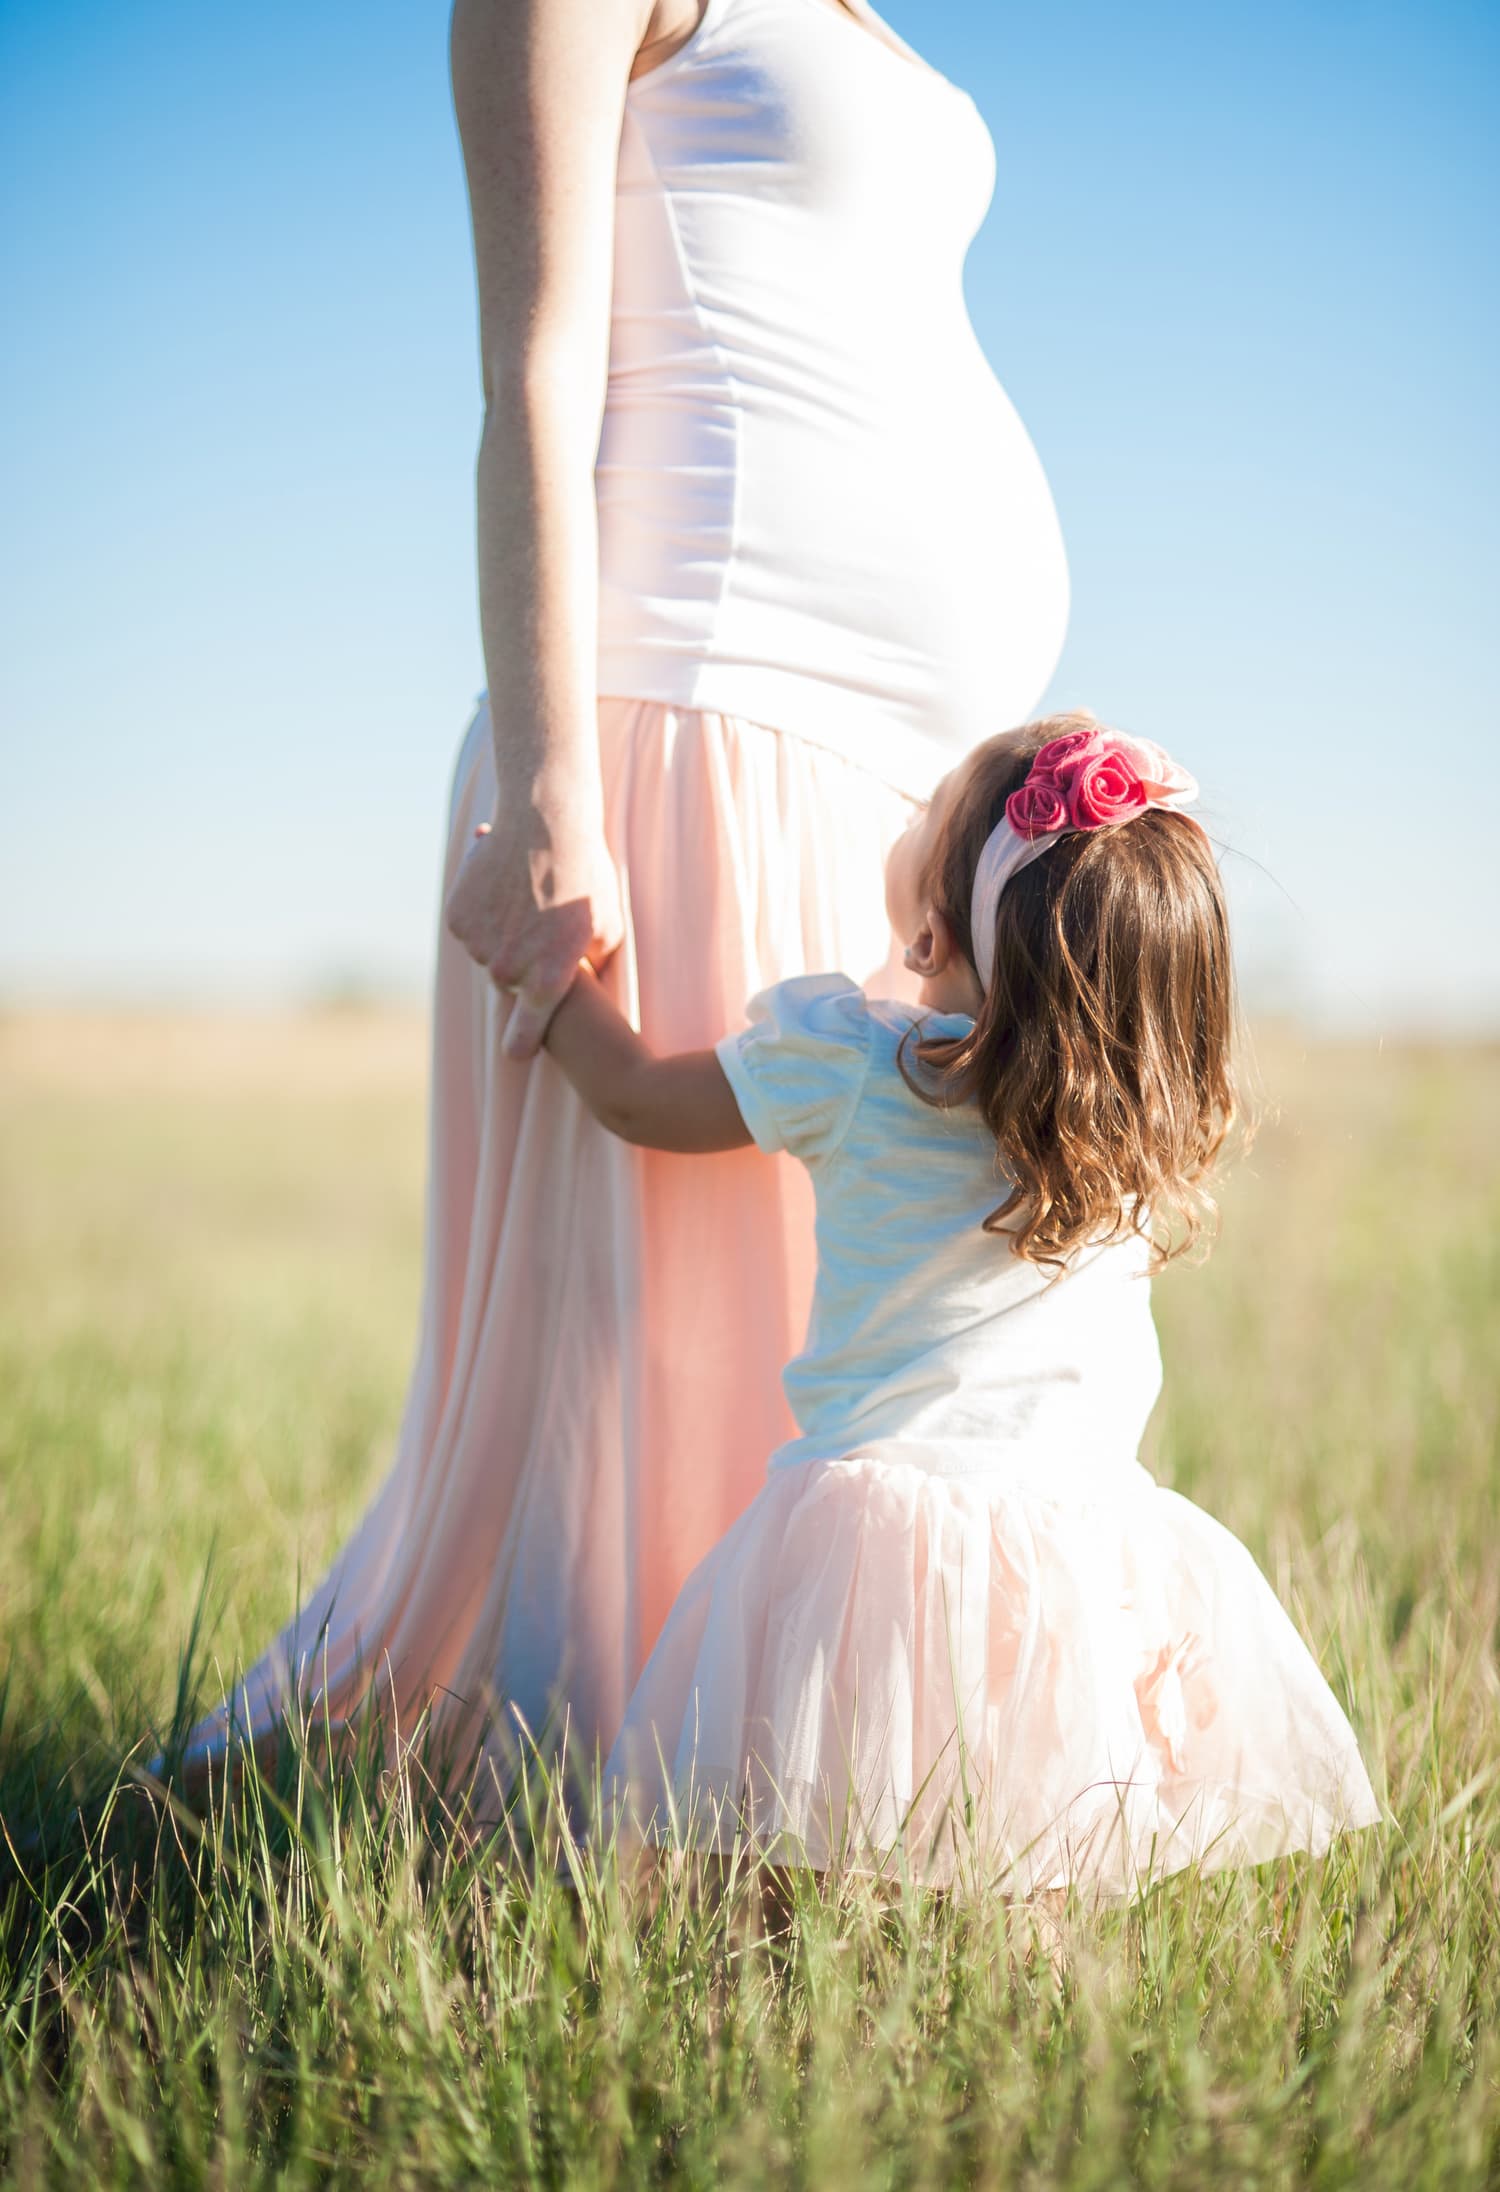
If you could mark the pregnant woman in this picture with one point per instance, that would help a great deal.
(756, 527)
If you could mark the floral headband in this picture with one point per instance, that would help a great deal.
(1083, 780)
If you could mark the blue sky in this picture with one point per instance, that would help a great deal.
(1239, 277)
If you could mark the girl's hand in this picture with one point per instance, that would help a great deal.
(534, 895)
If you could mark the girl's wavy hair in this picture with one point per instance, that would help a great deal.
(1101, 1057)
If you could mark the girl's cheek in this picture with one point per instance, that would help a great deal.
(895, 879)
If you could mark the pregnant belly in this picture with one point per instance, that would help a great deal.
(978, 577)
(902, 545)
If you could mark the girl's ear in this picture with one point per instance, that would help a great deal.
(934, 946)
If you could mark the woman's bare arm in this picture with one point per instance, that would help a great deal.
(683, 1103)
(539, 91)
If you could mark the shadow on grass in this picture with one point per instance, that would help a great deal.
(109, 1855)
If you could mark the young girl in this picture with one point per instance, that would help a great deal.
(961, 1629)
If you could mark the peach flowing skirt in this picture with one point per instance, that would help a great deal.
(597, 1381)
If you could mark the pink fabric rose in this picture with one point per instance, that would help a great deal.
(1163, 777)
(1088, 779)
(1061, 756)
(1038, 808)
(1105, 787)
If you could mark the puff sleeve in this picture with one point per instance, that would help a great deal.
(798, 1070)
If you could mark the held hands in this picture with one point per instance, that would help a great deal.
(529, 901)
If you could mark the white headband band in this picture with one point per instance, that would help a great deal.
(1083, 780)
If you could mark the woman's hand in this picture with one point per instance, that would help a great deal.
(535, 894)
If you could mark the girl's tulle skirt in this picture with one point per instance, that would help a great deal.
(887, 1667)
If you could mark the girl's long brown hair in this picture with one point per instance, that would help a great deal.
(1101, 1058)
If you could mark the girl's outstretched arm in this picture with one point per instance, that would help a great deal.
(683, 1103)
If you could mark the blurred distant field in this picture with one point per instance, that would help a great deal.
(210, 1234)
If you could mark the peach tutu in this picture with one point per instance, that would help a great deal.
(597, 1380)
(1009, 1674)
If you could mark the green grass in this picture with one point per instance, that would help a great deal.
(209, 1261)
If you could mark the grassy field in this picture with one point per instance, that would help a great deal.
(209, 1262)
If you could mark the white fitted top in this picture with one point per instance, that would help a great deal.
(930, 1342)
(817, 507)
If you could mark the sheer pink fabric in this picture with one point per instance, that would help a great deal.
(1033, 1675)
(597, 1382)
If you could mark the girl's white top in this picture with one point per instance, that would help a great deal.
(930, 1342)
(817, 507)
